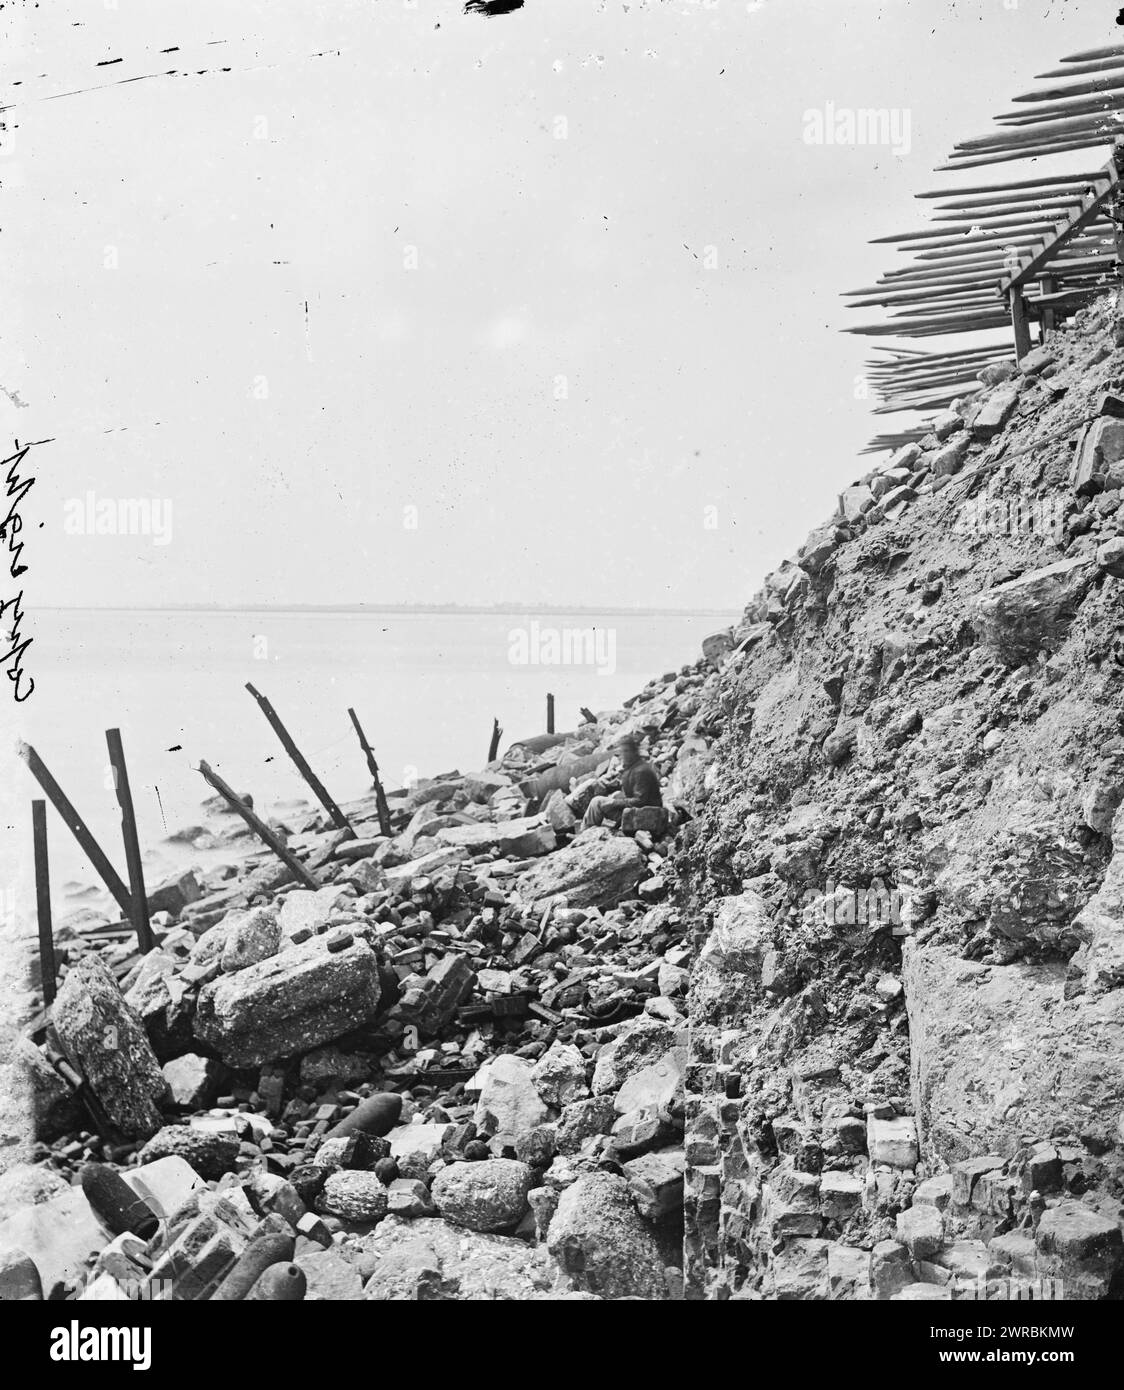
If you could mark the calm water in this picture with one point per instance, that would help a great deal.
(425, 686)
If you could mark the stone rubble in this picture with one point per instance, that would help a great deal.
(843, 1020)
(405, 1072)
(905, 1076)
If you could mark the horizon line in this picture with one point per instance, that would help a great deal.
(703, 610)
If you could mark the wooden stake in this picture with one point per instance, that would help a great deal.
(78, 828)
(139, 914)
(1090, 55)
(259, 827)
(47, 970)
(1028, 152)
(373, 769)
(319, 790)
(494, 746)
(1110, 82)
(1080, 69)
(1041, 181)
(550, 714)
(1019, 325)
(1011, 202)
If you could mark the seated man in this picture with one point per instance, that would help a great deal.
(640, 786)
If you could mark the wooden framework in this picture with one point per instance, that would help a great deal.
(1004, 256)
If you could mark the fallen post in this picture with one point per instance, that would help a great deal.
(82, 1091)
(258, 826)
(340, 821)
(47, 970)
(78, 828)
(139, 914)
(373, 768)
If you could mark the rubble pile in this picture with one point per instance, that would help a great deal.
(843, 1019)
(906, 1020)
(452, 1071)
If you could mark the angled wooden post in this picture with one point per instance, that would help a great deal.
(319, 790)
(47, 971)
(1020, 325)
(494, 746)
(78, 828)
(550, 714)
(259, 827)
(373, 769)
(139, 914)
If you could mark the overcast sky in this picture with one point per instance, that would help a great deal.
(410, 305)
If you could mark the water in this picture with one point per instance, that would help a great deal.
(425, 685)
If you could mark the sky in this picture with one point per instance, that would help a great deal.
(384, 303)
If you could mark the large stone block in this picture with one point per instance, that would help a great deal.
(105, 1040)
(290, 1003)
(509, 1101)
(600, 1241)
(594, 871)
(1098, 447)
(1007, 1050)
(1030, 614)
(428, 1260)
(174, 894)
(484, 1196)
(995, 412)
(524, 838)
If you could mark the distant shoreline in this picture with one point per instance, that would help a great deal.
(404, 609)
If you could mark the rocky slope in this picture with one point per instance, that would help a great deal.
(907, 1023)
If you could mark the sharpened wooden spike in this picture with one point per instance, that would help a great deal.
(1057, 125)
(984, 239)
(1058, 110)
(1039, 133)
(1043, 181)
(913, 329)
(1080, 69)
(1031, 140)
(902, 238)
(1029, 152)
(1009, 222)
(1002, 207)
(1112, 81)
(1095, 54)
